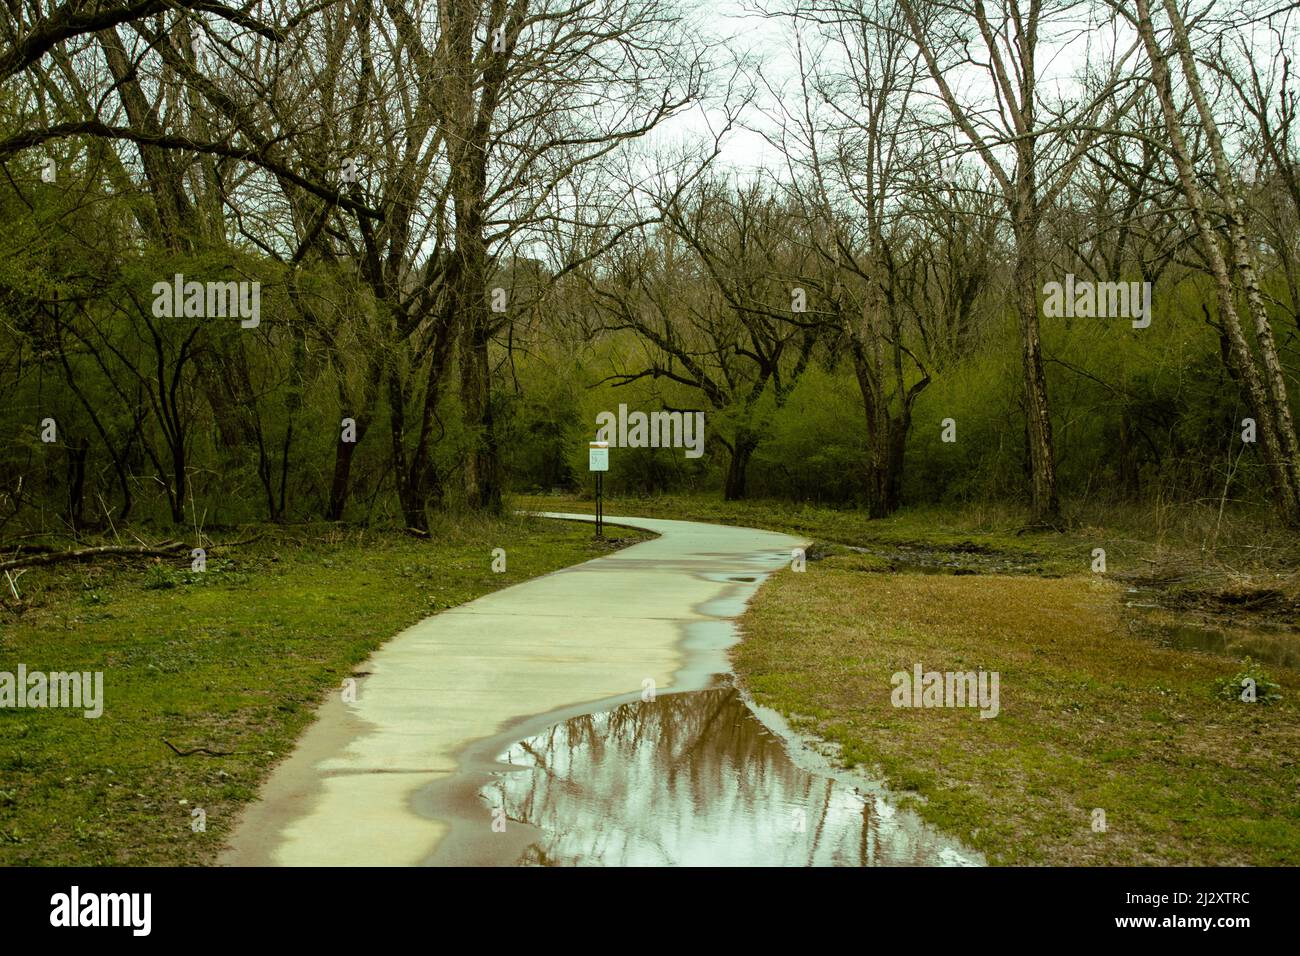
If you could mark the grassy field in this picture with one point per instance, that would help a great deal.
(232, 660)
(1090, 717)
(1095, 712)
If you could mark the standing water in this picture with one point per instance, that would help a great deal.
(690, 779)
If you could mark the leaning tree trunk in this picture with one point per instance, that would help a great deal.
(1275, 429)
(1244, 262)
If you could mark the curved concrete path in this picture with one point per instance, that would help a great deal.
(661, 609)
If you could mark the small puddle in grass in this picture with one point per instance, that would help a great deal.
(1263, 643)
(688, 779)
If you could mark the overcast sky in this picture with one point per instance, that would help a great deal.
(1063, 50)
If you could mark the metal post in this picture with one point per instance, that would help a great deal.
(600, 504)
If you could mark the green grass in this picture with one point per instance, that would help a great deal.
(1246, 536)
(233, 659)
(1091, 717)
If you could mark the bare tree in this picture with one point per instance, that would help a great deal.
(860, 165)
(1030, 146)
(1232, 257)
(709, 298)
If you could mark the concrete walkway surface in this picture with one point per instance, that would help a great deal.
(586, 633)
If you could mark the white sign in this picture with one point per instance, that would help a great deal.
(598, 456)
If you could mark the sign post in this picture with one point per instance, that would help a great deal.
(598, 461)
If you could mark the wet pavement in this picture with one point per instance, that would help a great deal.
(596, 632)
(582, 717)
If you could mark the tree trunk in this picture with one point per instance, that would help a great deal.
(483, 461)
(885, 467)
(738, 468)
(1275, 429)
(178, 497)
(408, 497)
(77, 453)
(344, 451)
(1044, 506)
(1244, 260)
(1128, 473)
(418, 483)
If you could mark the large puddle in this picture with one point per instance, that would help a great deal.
(692, 779)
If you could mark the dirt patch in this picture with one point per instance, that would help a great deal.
(1220, 597)
(966, 558)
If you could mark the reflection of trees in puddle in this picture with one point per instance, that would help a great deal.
(1235, 643)
(1264, 642)
(691, 779)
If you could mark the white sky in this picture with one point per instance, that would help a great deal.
(1063, 51)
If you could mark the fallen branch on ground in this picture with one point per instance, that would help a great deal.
(218, 545)
(199, 750)
(81, 554)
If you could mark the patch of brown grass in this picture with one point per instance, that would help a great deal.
(1092, 716)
